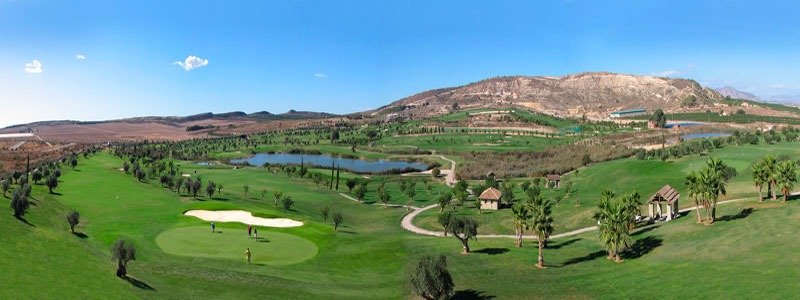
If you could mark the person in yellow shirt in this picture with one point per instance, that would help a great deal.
(248, 255)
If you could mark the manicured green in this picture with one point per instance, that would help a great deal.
(271, 248)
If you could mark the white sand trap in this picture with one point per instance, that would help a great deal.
(242, 217)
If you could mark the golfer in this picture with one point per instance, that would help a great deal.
(255, 233)
(212, 227)
(248, 255)
(249, 230)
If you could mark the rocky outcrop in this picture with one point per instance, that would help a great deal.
(591, 94)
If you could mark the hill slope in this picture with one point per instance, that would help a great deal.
(592, 94)
(727, 91)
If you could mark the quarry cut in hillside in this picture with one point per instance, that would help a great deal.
(590, 94)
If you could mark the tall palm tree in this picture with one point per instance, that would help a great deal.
(612, 221)
(713, 186)
(786, 177)
(542, 224)
(694, 189)
(760, 178)
(771, 167)
(521, 213)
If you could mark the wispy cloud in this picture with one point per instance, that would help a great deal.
(320, 75)
(33, 67)
(192, 62)
(80, 56)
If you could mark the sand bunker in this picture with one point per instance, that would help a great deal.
(242, 217)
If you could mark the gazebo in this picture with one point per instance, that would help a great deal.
(490, 199)
(668, 196)
(555, 179)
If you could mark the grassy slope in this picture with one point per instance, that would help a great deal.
(144, 210)
(645, 176)
(44, 260)
(744, 257)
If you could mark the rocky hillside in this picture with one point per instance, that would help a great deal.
(590, 94)
(736, 94)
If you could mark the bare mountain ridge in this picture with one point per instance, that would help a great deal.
(591, 94)
(728, 91)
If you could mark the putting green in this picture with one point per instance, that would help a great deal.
(271, 248)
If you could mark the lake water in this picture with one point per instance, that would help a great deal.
(703, 135)
(683, 124)
(356, 165)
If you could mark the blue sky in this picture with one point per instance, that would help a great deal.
(345, 56)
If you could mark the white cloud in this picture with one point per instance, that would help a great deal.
(667, 73)
(192, 62)
(320, 75)
(33, 67)
(80, 56)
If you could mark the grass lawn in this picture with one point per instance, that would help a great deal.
(743, 255)
(465, 142)
(271, 248)
(626, 175)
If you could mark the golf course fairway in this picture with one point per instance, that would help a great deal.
(271, 248)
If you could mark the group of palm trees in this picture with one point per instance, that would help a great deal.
(706, 186)
(775, 174)
(616, 217)
(535, 214)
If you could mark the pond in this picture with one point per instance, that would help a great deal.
(683, 124)
(704, 135)
(355, 165)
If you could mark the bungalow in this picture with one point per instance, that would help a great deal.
(490, 199)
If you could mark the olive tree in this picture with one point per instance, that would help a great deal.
(73, 218)
(430, 278)
(123, 252)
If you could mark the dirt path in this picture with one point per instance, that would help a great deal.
(408, 224)
(450, 175)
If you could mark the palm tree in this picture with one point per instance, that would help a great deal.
(542, 224)
(695, 190)
(713, 185)
(521, 215)
(770, 166)
(760, 178)
(612, 222)
(786, 177)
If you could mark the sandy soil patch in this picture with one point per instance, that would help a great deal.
(241, 216)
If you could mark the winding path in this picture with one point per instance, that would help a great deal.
(408, 224)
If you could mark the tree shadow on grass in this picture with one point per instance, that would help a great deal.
(793, 197)
(562, 244)
(472, 294)
(744, 213)
(56, 193)
(139, 284)
(346, 231)
(80, 235)
(23, 220)
(588, 257)
(220, 199)
(492, 251)
(642, 246)
(645, 230)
